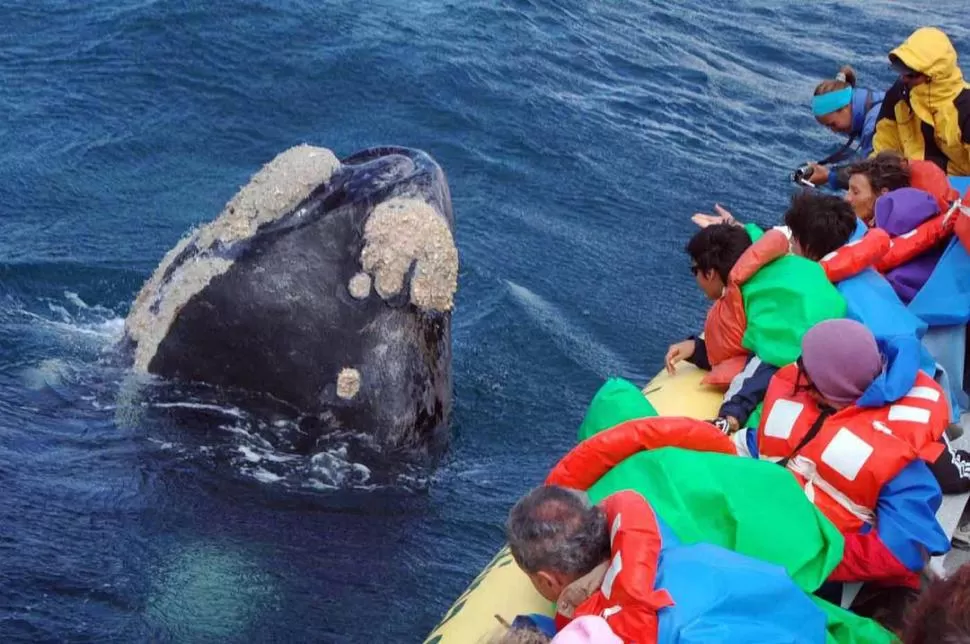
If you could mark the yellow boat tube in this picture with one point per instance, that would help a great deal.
(502, 588)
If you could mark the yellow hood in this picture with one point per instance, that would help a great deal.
(929, 51)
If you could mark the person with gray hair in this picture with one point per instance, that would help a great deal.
(604, 562)
(557, 537)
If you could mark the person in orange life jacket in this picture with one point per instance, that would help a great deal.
(861, 457)
(873, 178)
(886, 193)
(824, 229)
(617, 558)
(714, 251)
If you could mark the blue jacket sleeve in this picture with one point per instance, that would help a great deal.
(906, 516)
(869, 131)
(838, 177)
(747, 390)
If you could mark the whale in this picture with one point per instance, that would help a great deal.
(325, 285)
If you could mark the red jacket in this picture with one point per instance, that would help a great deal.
(856, 256)
(627, 599)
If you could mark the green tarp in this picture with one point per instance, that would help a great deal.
(617, 401)
(782, 301)
(752, 507)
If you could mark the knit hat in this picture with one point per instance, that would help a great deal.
(589, 629)
(902, 210)
(842, 359)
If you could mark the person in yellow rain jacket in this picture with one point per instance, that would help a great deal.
(926, 113)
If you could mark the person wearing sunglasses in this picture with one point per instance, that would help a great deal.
(851, 112)
(926, 113)
(764, 299)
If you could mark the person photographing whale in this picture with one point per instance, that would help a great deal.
(848, 111)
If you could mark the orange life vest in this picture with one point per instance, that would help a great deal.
(627, 599)
(926, 175)
(857, 450)
(856, 256)
(726, 321)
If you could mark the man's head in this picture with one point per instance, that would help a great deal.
(713, 252)
(819, 224)
(556, 536)
(872, 178)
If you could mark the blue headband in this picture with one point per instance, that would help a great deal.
(827, 103)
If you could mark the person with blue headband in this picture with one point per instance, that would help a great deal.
(846, 110)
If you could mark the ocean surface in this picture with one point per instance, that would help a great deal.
(578, 137)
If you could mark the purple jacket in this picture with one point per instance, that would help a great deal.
(899, 212)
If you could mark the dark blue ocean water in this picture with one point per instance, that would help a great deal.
(577, 136)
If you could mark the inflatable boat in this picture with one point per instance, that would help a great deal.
(502, 591)
(502, 588)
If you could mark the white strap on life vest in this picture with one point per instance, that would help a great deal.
(807, 469)
(957, 205)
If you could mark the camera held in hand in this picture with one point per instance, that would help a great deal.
(803, 174)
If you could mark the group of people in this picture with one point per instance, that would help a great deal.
(838, 338)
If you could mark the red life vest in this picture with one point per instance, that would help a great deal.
(589, 461)
(855, 256)
(627, 599)
(927, 176)
(857, 450)
(921, 239)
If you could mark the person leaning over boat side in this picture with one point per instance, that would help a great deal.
(764, 300)
(926, 113)
(862, 460)
(824, 229)
(617, 559)
(715, 251)
(851, 112)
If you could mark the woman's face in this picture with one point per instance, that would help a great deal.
(839, 121)
(861, 197)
